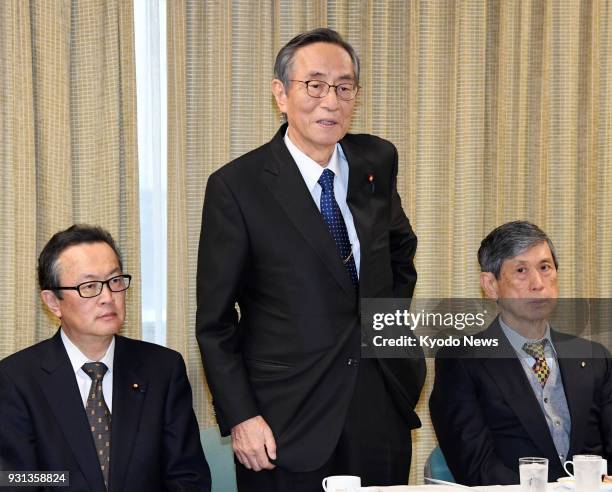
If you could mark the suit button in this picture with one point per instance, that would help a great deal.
(352, 362)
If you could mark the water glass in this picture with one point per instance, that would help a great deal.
(534, 474)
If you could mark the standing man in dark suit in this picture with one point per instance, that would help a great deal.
(113, 412)
(539, 392)
(296, 232)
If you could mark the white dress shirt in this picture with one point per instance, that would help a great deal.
(77, 359)
(311, 172)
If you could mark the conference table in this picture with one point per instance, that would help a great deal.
(444, 488)
(551, 487)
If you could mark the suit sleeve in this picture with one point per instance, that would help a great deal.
(402, 242)
(17, 438)
(604, 401)
(461, 429)
(405, 376)
(222, 266)
(186, 467)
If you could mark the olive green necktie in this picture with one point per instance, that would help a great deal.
(98, 415)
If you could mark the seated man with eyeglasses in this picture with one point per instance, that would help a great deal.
(114, 413)
(535, 391)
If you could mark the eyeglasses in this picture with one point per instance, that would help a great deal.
(94, 288)
(319, 88)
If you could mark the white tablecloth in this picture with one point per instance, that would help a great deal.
(552, 487)
(443, 488)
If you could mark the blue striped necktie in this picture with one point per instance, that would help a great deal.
(335, 223)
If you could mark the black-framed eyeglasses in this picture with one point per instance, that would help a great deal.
(319, 88)
(94, 288)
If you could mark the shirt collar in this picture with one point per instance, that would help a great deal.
(310, 169)
(77, 358)
(517, 340)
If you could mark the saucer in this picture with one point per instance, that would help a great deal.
(570, 484)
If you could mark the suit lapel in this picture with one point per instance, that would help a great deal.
(358, 198)
(61, 391)
(575, 385)
(129, 389)
(509, 375)
(283, 179)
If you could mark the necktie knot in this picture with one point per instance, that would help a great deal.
(95, 370)
(536, 349)
(327, 181)
(540, 367)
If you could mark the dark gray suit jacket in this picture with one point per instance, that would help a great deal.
(486, 415)
(155, 442)
(291, 354)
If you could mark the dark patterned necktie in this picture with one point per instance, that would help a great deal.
(335, 223)
(98, 415)
(540, 368)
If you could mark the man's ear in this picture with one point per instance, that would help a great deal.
(280, 95)
(52, 302)
(488, 282)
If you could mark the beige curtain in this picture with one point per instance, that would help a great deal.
(500, 110)
(67, 145)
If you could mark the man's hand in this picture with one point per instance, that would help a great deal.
(253, 443)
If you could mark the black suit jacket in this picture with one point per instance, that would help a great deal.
(486, 415)
(155, 442)
(290, 355)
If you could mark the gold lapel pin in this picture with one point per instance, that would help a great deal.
(583, 364)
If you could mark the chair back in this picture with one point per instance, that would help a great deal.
(220, 457)
(436, 467)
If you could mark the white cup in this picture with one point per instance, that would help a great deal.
(341, 483)
(588, 469)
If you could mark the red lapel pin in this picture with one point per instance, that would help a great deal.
(371, 181)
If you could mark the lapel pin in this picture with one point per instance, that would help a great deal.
(371, 181)
(138, 388)
(583, 364)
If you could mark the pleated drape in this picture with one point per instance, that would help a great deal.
(67, 145)
(501, 110)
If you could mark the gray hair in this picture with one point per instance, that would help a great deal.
(509, 240)
(284, 59)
